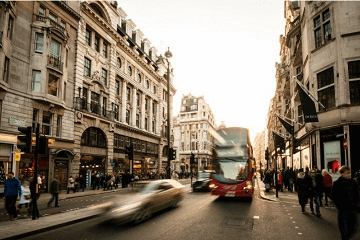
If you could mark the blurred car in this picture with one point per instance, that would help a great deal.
(202, 181)
(153, 197)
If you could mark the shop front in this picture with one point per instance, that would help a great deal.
(27, 169)
(7, 165)
(90, 164)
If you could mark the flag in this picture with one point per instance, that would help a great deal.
(279, 142)
(287, 126)
(308, 106)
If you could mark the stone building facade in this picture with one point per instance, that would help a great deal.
(192, 133)
(90, 79)
(320, 50)
(259, 150)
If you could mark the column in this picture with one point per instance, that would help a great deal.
(157, 122)
(123, 102)
(150, 114)
(142, 121)
(133, 113)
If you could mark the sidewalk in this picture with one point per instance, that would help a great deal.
(26, 227)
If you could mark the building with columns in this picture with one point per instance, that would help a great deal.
(93, 83)
(120, 95)
(319, 49)
(192, 133)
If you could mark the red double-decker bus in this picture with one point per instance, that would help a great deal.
(233, 163)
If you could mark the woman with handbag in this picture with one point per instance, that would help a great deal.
(25, 196)
(70, 185)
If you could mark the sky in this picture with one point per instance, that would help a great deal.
(223, 50)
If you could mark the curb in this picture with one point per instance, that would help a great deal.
(262, 194)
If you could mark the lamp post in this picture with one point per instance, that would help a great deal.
(199, 162)
(168, 55)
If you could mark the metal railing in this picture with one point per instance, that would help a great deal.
(94, 108)
(55, 62)
(41, 18)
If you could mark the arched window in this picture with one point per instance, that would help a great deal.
(154, 89)
(147, 84)
(139, 78)
(118, 62)
(129, 71)
(93, 137)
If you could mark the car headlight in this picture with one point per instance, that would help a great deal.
(248, 185)
(127, 207)
(213, 186)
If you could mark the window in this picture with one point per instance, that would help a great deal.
(195, 100)
(63, 24)
(58, 126)
(116, 112)
(104, 77)
(52, 17)
(322, 28)
(118, 62)
(128, 94)
(39, 42)
(10, 27)
(104, 50)
(326, 88)
(153, 108)
(354, 81)
(137, 99)
(55, 49)
(146, 104)
(95, 103)
(147, 85)
(46, 123)
(300, 114)
(154, 89)
(84, 98)
(35, 119)
(127, 116)
(164, 95)
(146, 124)
(97, 43)
(139, 78)
(163, 112)
(137, 120)
(88, 37)
(42, 11)
(117, 87)
(153, 126)
(53, 85)
(184, 101)
(87, 67)
(193, 107)
(129, 71)
(36, 81)
(93, 137)
(6, 69)
(104, 106)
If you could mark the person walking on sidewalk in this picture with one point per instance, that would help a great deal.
(345, 195)
(25, 196)
(34, 194)
(327, 185)
(292, 178)
(11, 192)
(70, 185)
(54, 190)
(82, 182)
(303, 185)
(316, 191)
(279, 181)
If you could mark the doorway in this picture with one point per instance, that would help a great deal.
(61, 173)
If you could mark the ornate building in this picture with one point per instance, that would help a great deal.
(319, 50)
(192, 131)
(259, 150)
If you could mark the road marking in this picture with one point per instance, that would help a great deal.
(256, 217)
(296, 227)
(294, 222)
(300, 233)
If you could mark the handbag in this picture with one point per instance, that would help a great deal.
(27, 197)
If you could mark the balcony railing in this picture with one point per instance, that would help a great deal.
(55, 62)
(41, 18)
(57, 26)
(94, 108)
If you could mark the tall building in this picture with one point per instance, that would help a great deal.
(320, 51)
(259, 150)
(87, 75)
(192, 133)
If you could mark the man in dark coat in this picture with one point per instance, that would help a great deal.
(54, 190)
(11, 192)
(33, 191)
(316, 191)
(303, 182)
(345, 195)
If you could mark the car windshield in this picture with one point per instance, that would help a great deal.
(204, 175)
(231, 170)
(149, 188)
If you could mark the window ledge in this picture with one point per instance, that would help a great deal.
(325, 44)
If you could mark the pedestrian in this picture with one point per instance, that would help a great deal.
(291, 177)
(33, 192)
(25, 196)
(97, 182)
(82, 182)
(345, 195)
(54, 190)
(316, 191)
(279, 181)
(303, 185)
(11, 192)
(117, 181)
(327, 185)
(70, 185)
(77, 184)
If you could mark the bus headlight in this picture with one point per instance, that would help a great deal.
(248, 186)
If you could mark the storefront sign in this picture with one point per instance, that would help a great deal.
(7, 138)
(17, 122)
(137, 165)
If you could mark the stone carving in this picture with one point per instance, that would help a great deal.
(316, 5)
(96, 76)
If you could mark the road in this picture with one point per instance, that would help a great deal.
(202, 216)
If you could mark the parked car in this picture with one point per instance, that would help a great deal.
(154, 196)
(202, 181)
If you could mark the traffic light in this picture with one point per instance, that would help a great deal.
(43, 145)
(130, 152)
(172, 153)
(27, 148)
(267, 154)
(192, 158)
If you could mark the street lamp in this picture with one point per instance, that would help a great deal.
(168, 55)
